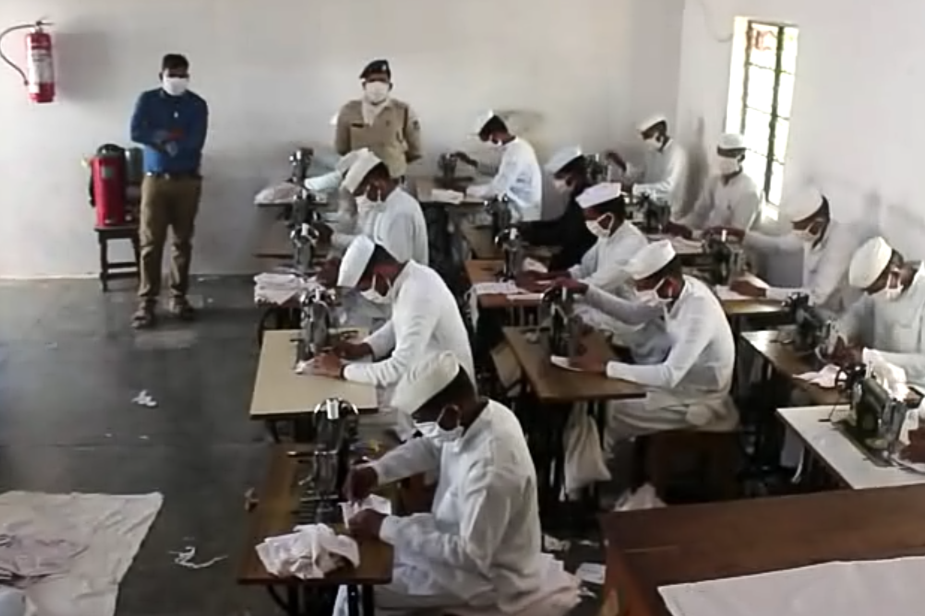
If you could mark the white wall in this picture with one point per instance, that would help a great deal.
(857, 121)
(274, 73)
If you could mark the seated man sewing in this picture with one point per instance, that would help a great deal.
(690, 388)
(888, 323)
(478, 551)
(518, 177)
(826, 244)
(568, 233)
(731, 198)
(662, 176)
(425, 319)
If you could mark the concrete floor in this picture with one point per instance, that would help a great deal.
(69, 368)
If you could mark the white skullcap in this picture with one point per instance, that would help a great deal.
(355, 261)
(424, 380)
(599, 193)
(481, 121)
(361, 167)
(651, 259)
(324, 183)
(562, 157)
(869, 262)
(731, 141)
(346, 161)
(803, 205)
(651, 121)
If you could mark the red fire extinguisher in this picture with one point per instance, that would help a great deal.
(108, 186)
(39, 76)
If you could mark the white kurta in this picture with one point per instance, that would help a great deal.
(725, 204)
(663, 177)
(480, 546)
(825, 264)
(894, 329)
(519, 177)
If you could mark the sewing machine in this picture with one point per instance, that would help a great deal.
(502, 217)
(875, 417)
(300, 161)
(316, 322)
(566, 327)
(598, 169)
(649, 215)
(323, 468)
(813, 332)
(512, 248)
(726, 259)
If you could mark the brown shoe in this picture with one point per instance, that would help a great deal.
(181, 308)
(144, 317)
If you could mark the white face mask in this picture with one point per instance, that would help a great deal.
(364, 204)
(376, 91)
(653, 144)
(175, 86)
(561, 186)
(727, 166)
(650, 297)
(597, 228)
(890, 293)
(437, 433)
(372, 295)
(805, 235)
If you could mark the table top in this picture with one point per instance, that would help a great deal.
(424, 186)
(752, 306)
(280, 392)
(274, 516)
(840, 454)
(486, 270)
(694, 543)
(789, 364)
(557, 385)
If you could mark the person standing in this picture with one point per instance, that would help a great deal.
(171, 123)
(385, 125)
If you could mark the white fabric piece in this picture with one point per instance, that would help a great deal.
(725, 294)
(735, 202)
(495, 288)
(186, 559)
(561, 158)
(532, 265)
(278, 193)
(424, 380)
(892, 378)
(731, 141)
(684, 246)
(563, 362)
(662, 177)
(651, 258)
(312, 551)
(598, 194)
(323, 184)
(651, 121)
(825, 264)
(480, 546)
(373, 501)
(824, 378)
(606, 265)
(278, 288)
(802, 206)
(856, 588)
(645, 497)
(25, 559)
(869, 262)
(355, 261)
(584, 459)
(360, 168)
(443, 195)
(518, 177)
(112, 527)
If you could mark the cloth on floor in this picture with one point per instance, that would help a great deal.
(311, 551)
(280, 287)
(278, 193)
(24, 558)
(111, 527)
(825, 378)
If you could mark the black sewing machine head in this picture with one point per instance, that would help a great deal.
(300, 160)
(813, 329)
(565, 326)
(317, 321)
(597, 169)
(875, 419)
(655, 215)
(446, 165)
(726, 259)
(512, 248)
(501, 215)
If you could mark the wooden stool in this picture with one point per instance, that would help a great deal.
(716, 453)
(117, 270)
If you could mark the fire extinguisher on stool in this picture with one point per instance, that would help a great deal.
(39, 76)
(108, 186)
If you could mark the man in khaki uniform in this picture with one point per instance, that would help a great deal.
(385, 125)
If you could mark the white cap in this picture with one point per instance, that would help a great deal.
(599, 193)
(869, 262)
(355, 261)
(803, 205)
(346, 161)
(731, 141)
(364, 163)
(324, 183)
(481, 121)
(651, 259)
(562, 157)
(651, 121)
(424, 380)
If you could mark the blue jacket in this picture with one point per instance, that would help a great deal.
(157, 117)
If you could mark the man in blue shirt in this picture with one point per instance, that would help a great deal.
(171, 123)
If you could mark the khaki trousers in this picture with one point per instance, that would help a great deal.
(167, 203)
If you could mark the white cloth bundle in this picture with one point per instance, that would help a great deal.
(312, 551)
(280, 287)
(278, 193)
(441, 195)
(374, 502)
(825, 378)
(584, 459)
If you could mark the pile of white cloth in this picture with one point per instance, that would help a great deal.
(280, 287)
(24, 559)
(278, 193)
(312, 551)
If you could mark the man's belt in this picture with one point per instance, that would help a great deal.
(180, 175)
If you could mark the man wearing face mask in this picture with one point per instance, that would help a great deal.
(888, 323)
(478, 551)
(568, 233)
(663, 175)
(385, 125)
(730, 199)
(518, 177)
(171, 123)
(425, 318)
(827, 246)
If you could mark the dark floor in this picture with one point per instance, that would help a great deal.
(69, 368)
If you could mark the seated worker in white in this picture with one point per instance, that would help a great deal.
(663, 175)
(888, 323)
(827, 246)
(690, 388)
(731, 198)
(478, 551)
(518, 177)
(425, 319)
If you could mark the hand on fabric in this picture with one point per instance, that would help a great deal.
(360, 482)
(328, 364)
(589, 362)
(680, 230)
(366, 525)
(327, 275)
(736, 234)
(745, 287)
(576, 286)
(844, 354)
(352, 350)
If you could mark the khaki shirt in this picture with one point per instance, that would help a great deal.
(394, 136)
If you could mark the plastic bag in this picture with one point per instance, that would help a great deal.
(584, 458)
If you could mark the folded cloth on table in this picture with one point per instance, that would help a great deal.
(280, 287)
(373, 501)
(25, 558)
(495, 288)
(442, 195)
(684, 246)
(725, 294)
(278, 193)
(532, 265)
(825, 378)
(312, 551)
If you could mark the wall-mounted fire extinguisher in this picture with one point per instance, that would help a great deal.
(39, 76)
